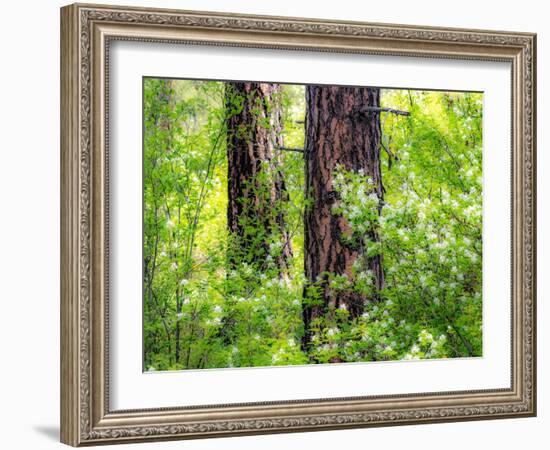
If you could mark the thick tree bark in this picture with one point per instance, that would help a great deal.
(256, 189)
(338, 135)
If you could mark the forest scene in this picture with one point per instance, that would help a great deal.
(309, 224)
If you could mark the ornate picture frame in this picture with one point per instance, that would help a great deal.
(87, 32)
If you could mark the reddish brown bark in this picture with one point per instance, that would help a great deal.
(256, 190)
(338, 134)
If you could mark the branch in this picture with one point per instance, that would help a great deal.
(376, 109)
(290, 149)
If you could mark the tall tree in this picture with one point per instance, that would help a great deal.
(256, 189)
(342, 132)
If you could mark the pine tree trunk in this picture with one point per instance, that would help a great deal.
(338, 134)
(256, 189)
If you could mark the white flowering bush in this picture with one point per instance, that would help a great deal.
(430, 233)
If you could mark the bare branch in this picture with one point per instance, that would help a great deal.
(290, 149)
(375, 109)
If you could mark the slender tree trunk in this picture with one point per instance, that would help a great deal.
(256, 189)
(338, 135)
(160, 112)
(178, 312)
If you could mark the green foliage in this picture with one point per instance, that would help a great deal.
(202, 312)
(431, 224)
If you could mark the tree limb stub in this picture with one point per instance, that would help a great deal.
(375, 109)
(291, 149)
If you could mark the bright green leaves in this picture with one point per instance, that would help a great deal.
(431, 226)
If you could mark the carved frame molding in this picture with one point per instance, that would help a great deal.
(86, 31)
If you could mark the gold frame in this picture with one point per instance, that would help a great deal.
(86, 31)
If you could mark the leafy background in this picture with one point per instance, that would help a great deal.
(200, 313)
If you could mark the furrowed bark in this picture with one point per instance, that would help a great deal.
(339, 133)
(256, 189)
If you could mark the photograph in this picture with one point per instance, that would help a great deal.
(296, 224)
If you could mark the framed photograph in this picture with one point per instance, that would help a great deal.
(279, 224)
